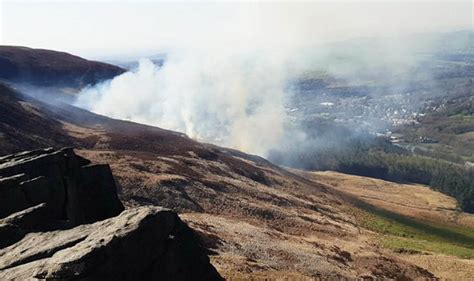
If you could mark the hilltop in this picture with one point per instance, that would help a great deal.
(51, 68)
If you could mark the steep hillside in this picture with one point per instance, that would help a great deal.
(25, 126)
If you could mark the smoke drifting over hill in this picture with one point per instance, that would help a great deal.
(237, 101)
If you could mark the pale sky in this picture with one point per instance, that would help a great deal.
(107, 27)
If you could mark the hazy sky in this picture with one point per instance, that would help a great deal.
(107, 27)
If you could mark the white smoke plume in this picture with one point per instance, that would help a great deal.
(223, 98)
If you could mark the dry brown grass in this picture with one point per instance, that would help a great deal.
(444, 267)
(249, 251)
(262, 222)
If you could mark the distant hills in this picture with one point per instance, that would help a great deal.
(51, 68)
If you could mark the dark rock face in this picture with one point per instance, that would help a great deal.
(61, 219)
(146, 243)
(73, 190)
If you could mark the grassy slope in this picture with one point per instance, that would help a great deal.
(405, 234)
(406, 218)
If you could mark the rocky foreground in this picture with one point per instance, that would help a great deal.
(61, 219)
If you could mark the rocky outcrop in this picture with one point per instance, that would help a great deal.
(146, 243)
(74, 190)
(61, 219)
(16, 226)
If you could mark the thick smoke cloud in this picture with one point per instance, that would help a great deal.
(223, 98)
(259, 100)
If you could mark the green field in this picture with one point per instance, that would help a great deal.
(404, 234)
